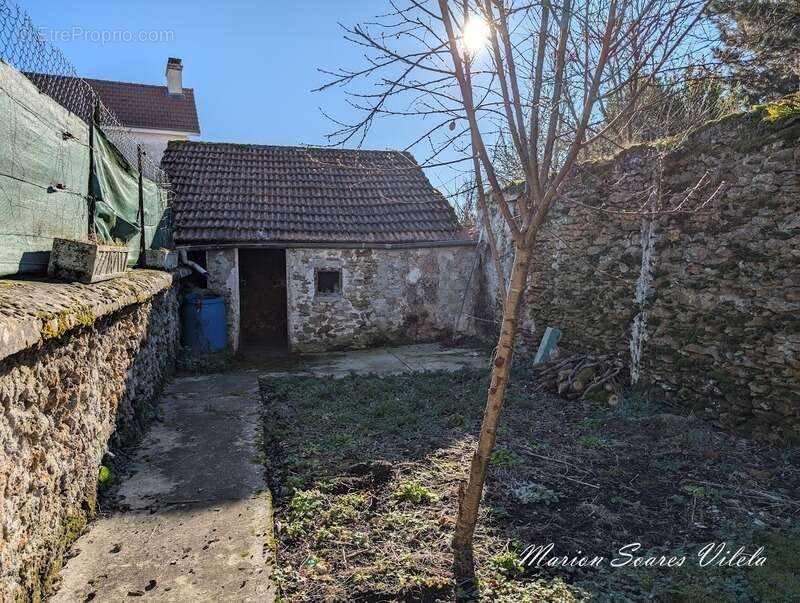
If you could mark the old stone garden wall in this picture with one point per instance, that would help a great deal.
(79, 365)
(387, 296)
(705, 305)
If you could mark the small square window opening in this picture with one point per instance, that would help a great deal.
(329, 282)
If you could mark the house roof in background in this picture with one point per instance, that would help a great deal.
(148, 106)
(136, 105)
(242, 193)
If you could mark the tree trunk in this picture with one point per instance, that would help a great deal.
(470, 496)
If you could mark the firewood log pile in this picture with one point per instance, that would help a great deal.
(583, 376)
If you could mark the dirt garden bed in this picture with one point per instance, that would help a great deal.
(365, 472)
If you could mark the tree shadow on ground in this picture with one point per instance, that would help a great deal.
(366, 471)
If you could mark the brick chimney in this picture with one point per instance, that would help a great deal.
(174, 77)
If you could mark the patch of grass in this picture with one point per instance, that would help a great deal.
(695, 491)
(507, 562)
(773, 582)
(305, 503)
(503, 457)
(295, 530)
(370, 495)
(258, 459)
(590, 423)
(347, 507)
(341, 440)
(636, 404)
(593, 441)
(200, 364)
(414, 493)
(503, 589)
(296, 482)
(528, 493)
(389, 514)
(396, 520)
(779, 578)
(695, 438)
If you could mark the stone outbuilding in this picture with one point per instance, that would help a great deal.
(318, 248)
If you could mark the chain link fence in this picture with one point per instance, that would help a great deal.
(35, 205)
(24, 48)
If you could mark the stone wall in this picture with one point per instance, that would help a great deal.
(79, 365)
(706, 305)
(388, 296)
(223, 278)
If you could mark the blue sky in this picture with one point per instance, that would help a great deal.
(252, 64)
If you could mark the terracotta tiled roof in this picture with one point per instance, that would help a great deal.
(227, 193)
(135, 105)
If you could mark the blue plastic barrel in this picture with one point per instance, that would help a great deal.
(203, 322)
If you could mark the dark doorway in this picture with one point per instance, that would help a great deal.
(262, 291)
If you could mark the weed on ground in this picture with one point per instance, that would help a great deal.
(365, 473)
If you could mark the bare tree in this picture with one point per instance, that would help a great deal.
(666, 108)
(546, 70)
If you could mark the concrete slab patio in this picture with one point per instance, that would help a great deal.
(195, 520)
(383, 361)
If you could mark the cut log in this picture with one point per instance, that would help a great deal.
(584, 376)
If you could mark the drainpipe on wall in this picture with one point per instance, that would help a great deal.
(187, 262)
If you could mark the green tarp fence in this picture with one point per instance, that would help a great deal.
(44, 174)
(45, 187)
(157, 216)
(115, 188)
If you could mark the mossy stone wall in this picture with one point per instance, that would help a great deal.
(84, 386)
(704, 304)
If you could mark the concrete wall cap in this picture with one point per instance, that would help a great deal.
(34, 311)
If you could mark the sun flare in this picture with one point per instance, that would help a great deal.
(474, 35)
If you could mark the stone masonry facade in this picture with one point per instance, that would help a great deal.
(704, 304)
(99, 357)
(388, 296)
(223, 278)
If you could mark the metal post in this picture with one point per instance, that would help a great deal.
(91, 231)
(478, 251)
(141, 207)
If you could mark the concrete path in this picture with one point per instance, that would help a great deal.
(196, 518)
(383, 361)
(199, 524)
